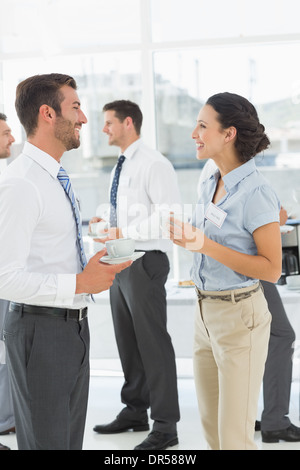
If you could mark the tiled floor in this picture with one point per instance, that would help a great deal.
(104, 405)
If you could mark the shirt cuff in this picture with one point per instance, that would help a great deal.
(66, 287)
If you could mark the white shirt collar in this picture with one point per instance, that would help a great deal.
(42, 158)
(129, 152)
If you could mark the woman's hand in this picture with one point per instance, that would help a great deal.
(185, 235)
(112, 234)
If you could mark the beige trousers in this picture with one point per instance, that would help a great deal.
(230, 350)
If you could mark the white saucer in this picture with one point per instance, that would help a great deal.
(98, 235)
(136, 255)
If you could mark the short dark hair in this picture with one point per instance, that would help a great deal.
(124, 109)
(37, 90)
(235, 110)
(3, 117)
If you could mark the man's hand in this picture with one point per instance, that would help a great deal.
(283, 216)
(96, 276)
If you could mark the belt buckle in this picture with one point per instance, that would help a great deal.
(80, 316)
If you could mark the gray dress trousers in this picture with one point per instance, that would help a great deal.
(279, 366)
(7, 418)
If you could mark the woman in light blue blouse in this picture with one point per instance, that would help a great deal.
(236, 241)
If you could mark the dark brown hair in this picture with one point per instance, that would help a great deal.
(35, 91)
(235, 110)
(124, 109)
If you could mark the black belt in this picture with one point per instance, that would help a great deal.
(236, 296)
(65, 313)
(151, 251)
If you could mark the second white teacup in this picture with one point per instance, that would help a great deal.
(120, 248)
(98, 227)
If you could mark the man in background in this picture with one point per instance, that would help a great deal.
(7, 418)
(138, 298)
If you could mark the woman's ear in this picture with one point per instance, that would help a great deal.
(230, 134)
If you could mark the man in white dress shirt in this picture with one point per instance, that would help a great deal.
(138, 296)
(46, 329)
(7, 418)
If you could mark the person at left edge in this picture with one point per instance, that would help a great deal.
(7, 417)
(43, 273)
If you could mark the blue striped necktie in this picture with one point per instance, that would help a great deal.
(66, 184)
(113, 193)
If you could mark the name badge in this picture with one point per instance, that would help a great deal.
(215, 215)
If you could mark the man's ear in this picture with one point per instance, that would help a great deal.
(230, 134)
(47, 113)
(129, 121)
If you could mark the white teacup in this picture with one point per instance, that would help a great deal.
(98, 227)
(293, 281)
(120, 248)
(165, 218)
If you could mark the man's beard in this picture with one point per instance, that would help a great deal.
(4, 154)
(65, 132)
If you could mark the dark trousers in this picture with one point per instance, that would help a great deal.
(48, 360)
(138, 303)
(279, 366)
(7, 418)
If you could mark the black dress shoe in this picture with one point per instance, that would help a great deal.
(290, 434)
(158, 441)
(121, 425)
(8, 431)
(3, 447)
(257, 426)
